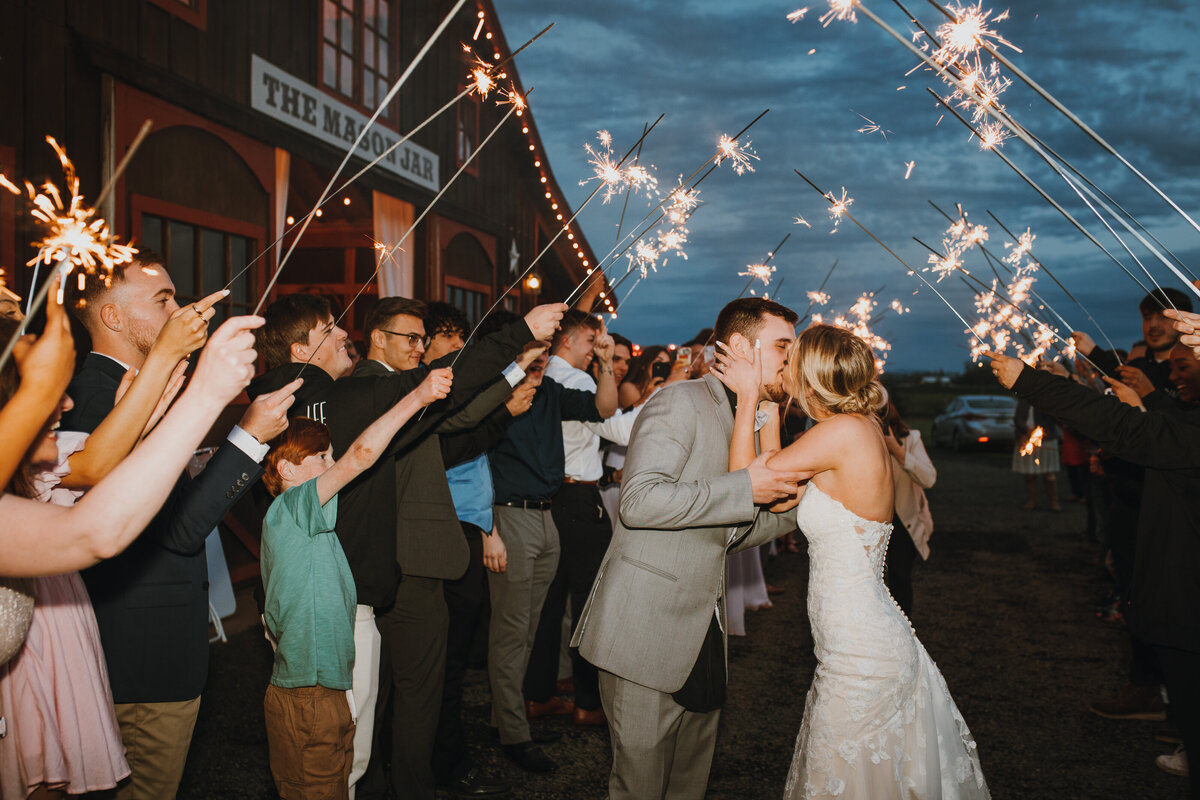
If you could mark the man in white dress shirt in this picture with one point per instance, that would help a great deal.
(584, 527)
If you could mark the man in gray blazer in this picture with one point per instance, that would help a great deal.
(655, 621)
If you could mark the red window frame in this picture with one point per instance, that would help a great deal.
(363, 37)
(193, 12)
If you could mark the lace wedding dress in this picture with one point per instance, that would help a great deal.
(879, 722)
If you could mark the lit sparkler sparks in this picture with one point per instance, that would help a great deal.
(609, 173)
(992, 135)
(838, 207)
(797, 15)
(908, 168)
(839, 10)
(962, 37)
(802, 221)
(737, 154)
(1034, 441)
(872, 127)
(818, 298)
(762, 272)
(857, 320)
(74, 236)
(482, 82)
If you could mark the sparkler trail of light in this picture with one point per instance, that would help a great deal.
(1053, 101)
(1080, 192)
(839, 10)
(893, 254)
(74, 238)
(763, 271)
(680, 196)
(1060, 159)
(1034, 441)
(908, 168)
(645, 132)
(738, 154)
(819, 296)
(797, 15)
(1044, 268)
(1054, 203)
(999, 324)
(625, 206)
(354, 147)
(1016, 130)
(389, 251)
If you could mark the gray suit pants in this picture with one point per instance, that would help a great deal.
(517, 595)
(660, 749)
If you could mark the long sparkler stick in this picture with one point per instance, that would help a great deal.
(779, 287)
(36, 301)
(1054, 203)
(386, 152)
(601, 268)
(991, 110)
(995, 291)
(387, 252)
(812, 300)
(645, 132)
(893, 254)
(636, 146)
(770, 255)
(1058, 157)
(1016, 239)
(1083, 126)
(354, 147)
(625, 206)
(1042, 266)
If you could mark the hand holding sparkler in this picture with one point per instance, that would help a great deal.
(47, 362)
(543, 320)
(1125, 393)
(604, 347)
(1135, 379)
(1187, 323)
(1084, 344)
(1006, 368)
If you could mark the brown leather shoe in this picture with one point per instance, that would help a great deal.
(555, 706)
(589, 719)
(1132, 702)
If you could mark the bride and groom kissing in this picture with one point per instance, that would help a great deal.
(878, 720)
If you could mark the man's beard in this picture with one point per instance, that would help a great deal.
(141, 337)
(775, 391)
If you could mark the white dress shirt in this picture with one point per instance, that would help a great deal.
(581, 440)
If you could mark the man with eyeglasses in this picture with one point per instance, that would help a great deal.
(395, 333)
(393, 521)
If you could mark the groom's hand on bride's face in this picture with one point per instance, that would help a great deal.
(770, 485)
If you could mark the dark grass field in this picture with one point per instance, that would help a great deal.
(1005, 607)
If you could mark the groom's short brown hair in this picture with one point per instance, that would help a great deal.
(745, 316)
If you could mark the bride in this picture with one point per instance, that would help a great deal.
(879, 721)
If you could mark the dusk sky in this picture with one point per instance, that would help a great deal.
(1128, 69)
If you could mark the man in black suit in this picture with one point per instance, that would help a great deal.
(396, 523)
(151, 601)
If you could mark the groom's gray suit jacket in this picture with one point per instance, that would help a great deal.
(682, 511)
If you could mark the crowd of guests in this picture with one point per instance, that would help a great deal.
(413, 488)
(1133, 459)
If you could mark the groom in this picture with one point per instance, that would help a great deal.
(655, 621)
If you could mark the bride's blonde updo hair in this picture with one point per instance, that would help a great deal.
(834, 370)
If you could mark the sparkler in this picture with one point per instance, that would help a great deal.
(997, 113)
(683, 197)
(74, 236)
(892, 253)
(1033, 443)
(908, 168)
(738, 154)
(818, 297)
(1053, 101)
(763, 271)
(857, 319)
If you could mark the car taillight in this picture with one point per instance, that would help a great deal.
(983, 440)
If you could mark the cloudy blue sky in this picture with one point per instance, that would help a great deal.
(1128, 69)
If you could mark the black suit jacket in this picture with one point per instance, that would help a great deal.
(1165, 440)
(151, 601)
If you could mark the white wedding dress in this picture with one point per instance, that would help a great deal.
(879, 722)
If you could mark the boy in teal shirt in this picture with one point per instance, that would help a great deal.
(310, 597)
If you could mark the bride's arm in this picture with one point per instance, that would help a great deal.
(743, 377)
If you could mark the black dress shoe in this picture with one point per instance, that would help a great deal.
(537, 736)
(474, 783)
(528, 756)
